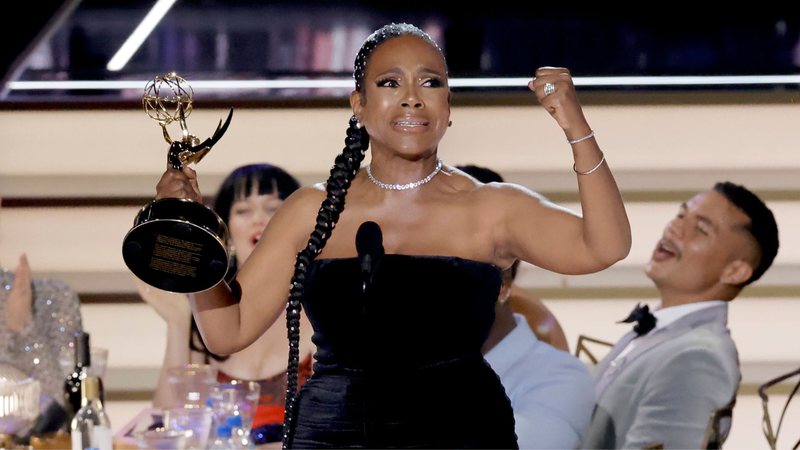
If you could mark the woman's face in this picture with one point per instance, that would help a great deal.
(405, 105)
(249, 216)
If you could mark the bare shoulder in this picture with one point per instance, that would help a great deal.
(297, 215)
(491, 192)
(306, 197)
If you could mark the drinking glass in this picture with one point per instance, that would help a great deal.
(98, 359)
(195, 422)
(191, 384)
(235, 398)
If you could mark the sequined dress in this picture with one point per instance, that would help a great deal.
(55, 323)
(400, 365)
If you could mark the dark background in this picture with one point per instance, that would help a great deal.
(21, 28)
(499, 39)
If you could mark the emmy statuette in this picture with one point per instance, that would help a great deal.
(177, 245)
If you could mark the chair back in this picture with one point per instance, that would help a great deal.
(719, 426)
(585, 345)
(771, 432)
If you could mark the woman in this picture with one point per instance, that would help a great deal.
(398, 360)
(246, 201)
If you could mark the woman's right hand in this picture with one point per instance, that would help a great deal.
(19, 306)
(176, 183)
(562, 103)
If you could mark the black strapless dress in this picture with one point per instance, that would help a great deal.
(400, 366)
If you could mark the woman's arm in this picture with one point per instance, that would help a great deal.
(551, 237)
(231, 319)
(228, 324)
(539, 317)
(174, 309)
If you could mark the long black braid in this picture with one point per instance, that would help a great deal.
(342, 173)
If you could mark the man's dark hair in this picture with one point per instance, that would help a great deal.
(762, 223)
(481, 174)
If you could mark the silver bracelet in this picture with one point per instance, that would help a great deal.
(588, 136)
(597, 166)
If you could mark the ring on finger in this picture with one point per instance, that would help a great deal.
(549, 88)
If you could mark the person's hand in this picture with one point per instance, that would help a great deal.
(172, 307)
(179, 184)
(555, 91)
(19, 311)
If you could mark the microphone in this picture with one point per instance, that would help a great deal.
(369, 245)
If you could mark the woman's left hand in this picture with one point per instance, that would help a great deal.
(555, 91)
(19, 311)
(172, 307)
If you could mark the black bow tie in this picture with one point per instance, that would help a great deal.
(645, 320)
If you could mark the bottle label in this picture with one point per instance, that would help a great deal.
(76, 440)
(101, 439)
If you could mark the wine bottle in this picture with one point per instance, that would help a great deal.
(90, 428)
(72, 385)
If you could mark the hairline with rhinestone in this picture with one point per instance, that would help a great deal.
(378, 37)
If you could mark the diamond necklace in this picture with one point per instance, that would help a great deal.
(407, 186)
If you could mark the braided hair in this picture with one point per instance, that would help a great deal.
(344, 170)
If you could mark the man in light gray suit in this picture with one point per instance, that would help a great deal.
(660, 389)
